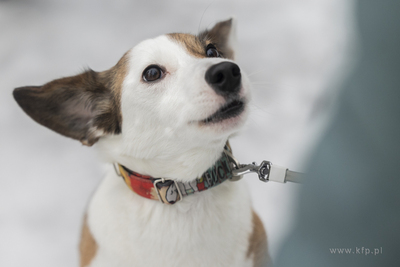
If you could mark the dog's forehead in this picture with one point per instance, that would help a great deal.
(161, 46)
(194, 45)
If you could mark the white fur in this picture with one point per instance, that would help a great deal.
(161, 137)
(211, 228)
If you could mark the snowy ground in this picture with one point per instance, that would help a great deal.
(292, 50)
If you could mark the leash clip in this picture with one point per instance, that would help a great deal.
(239, 170)
(263, 170)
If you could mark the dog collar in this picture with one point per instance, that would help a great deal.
(169, 191)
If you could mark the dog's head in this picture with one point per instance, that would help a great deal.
(170, 103)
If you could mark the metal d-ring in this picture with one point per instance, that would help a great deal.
(235, 166)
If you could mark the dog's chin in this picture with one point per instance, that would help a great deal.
(227, 118)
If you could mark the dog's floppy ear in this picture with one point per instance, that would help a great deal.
(224, 35)
(80, 107)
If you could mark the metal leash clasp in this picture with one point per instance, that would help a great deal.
(239, 170)
(262, 170)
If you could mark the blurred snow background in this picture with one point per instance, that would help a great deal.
(294, 51)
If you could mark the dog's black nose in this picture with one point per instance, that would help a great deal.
(224, 78)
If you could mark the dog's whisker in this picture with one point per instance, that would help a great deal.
(256, 122)
(273, 85)
(256, 107)
(255, 72)
(261, 82)
(202, 15)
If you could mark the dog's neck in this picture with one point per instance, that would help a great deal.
(183, 164)
(170, 191)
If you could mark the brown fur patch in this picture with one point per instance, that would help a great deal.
(258, 248)
(113, 79)
(87, 246)
(192, 43)
(218, 36)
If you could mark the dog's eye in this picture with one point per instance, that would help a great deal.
(152, 73)
(211, 51)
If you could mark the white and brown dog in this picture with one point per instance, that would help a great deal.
(165, 110)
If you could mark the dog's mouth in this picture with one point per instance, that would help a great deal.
(231, 109)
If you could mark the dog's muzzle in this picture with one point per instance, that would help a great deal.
(225, 78)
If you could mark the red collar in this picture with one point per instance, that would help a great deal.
(169, 191)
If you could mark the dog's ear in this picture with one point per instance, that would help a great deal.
(223, 34)
(80, 107)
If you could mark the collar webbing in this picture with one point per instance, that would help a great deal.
(170, 191)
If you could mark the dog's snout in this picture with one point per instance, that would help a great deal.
(225, 78)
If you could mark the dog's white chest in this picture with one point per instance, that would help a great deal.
(207, 229)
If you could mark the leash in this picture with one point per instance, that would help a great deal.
(266, 171)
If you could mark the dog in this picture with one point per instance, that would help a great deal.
(162, 116)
